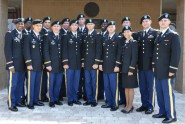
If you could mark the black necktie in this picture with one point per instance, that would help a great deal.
(144, 33)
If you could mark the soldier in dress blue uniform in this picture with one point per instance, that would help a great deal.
(110, 66)
(53, 62)
(72, 62)
(83, 30)
(27, 25)
(43, 91)
(165, 62)
(103, 33)
(15, 65)
(26, 31)
(65, 27)
(146, 39)
(129, 71)
(92, 49)
(34, 62)
(127, 22)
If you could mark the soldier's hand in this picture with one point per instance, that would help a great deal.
(153, 69)
(49, 68)
(130, 73)
(100, 68)
(66, 66)
(12, 70)
(82, 65)
(30, 67)
(95, 66)
(116, 69)
(171, 74)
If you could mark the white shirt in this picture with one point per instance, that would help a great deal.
(127, 41)
(163, 31)
(64, 30)
(46, 29)
(111, 35)
(74, 33)
(19, 32)
(82, 28)
(89, 33)
(146, 30)
(36, 33)
(56, 34)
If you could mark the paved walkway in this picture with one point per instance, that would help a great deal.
(83, 115)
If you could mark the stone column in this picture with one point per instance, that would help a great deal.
(180, 20)
(3, 29)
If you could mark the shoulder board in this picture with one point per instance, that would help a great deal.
(9, 31)
(98, 33)
(134, 40)
(46, 34)
(119, 36)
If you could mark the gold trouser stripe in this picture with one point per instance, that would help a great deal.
(40, 87)
(28, 95)
(171, 97)
(153, 96)
(48, 84)
(97, 73)
(117, 90)
(65, 76)
(10, 88)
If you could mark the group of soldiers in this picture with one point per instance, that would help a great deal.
(70, 58)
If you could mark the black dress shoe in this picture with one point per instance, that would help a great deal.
(106, 106)
(51, 104)
(77, 102)
(45, 100)
(113, 108)
(159, 116)
(167, 120)
(94, 104)
(70, 103)
(149, 111)
(30, 107)
(20, 105)
(39, 104)
(86, 104)
(14, 109)
(58, 103)
(141, 109)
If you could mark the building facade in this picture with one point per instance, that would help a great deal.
(97, 9)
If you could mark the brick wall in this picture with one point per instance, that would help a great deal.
(110, 9)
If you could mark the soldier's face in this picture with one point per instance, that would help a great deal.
(47, 24)
(111, 28)
(81, 21)
(90, 26)
(164, 23)
(74, 27)
(146, 23)
(27, 25)
(65, 25)
(56, 28)
(126, 23)
(104, 26)
(127, 34)
(20, 26)
(37, 27)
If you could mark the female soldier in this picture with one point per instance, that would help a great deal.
(129, 72)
